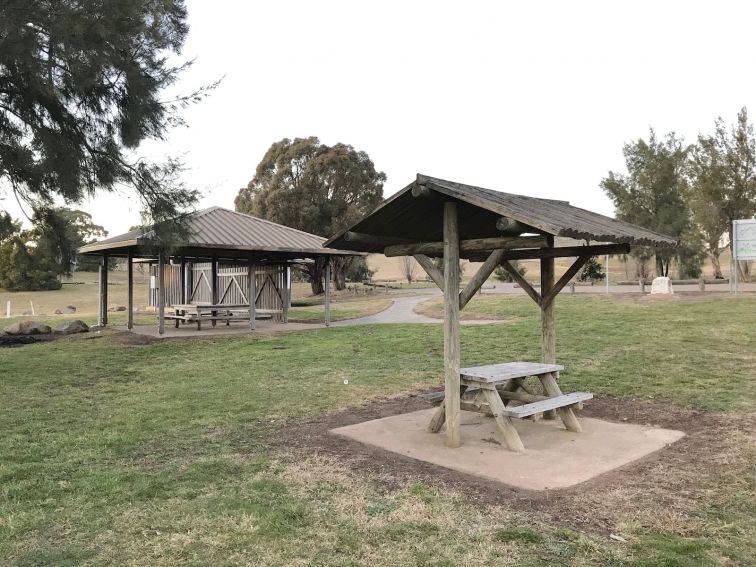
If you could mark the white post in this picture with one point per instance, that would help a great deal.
(161, 293)
(7, 309)
(606, 277)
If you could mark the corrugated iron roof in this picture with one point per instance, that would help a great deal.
(417, 218)
(218, 228)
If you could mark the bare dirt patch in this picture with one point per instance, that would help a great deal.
(661, 491)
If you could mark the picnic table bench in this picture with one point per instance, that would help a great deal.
(197, 313)
(492, 388)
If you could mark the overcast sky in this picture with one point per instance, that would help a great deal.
(528, 97)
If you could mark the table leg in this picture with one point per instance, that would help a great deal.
(553, 390)
(508, 431)
(213, 314)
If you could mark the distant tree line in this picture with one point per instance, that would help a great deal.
(691, 192)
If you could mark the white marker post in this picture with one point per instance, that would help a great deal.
(606, 277)
(7, 309)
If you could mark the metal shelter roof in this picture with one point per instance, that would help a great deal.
(420, 218)
(223, 233)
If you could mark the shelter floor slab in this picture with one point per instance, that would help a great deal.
(220, 330)
(554, 457)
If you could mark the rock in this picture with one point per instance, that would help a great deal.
(69, 309)
(661, 286)
(116, 307)
(72, 327)
(57, 312)
(28, 328)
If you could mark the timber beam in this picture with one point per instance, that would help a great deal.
(564, 280)
(567, 251)
(473, 245)
(480, 277)
(512, 227)
(521, 281)
(433, 272)
(374, 239)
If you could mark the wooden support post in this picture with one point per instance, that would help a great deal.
(214, 286)
(642, 284)
(286, 296)
(252, 293)
(183, 279)
(451, 325)
(548, 333)
(548, 343)
(130, 290)
(328, 293)
(103, 315)
(161, 293)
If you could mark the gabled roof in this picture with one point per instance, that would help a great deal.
(419, 218)
(216, 229)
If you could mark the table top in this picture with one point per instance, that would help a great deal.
(507, 371)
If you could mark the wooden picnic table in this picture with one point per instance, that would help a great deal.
(491, 389)
(198, 312)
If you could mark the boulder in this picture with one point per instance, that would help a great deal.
(57, 312)
(28, 328)
(661, 286)
(116, 307)
(69, 309)
(72, 327)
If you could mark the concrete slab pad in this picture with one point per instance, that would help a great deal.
(554, 457)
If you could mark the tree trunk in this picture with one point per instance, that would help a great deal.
(340, 265)
(662, 266)
(315, 273)
(714, 257)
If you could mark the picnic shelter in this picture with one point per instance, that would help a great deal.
(223, 259)
(434, 218)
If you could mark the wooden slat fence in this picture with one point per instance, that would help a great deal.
(232, 285)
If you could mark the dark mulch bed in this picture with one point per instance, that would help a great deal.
(17, 341)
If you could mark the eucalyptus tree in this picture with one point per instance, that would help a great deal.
(310, 186)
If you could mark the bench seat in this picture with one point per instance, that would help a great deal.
(526, 410)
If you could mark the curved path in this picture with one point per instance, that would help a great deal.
(402, 310)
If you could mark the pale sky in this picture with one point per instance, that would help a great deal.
(528, 97)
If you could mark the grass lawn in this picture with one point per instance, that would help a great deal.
(339, 310)
(166, 453)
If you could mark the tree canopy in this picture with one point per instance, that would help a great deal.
(652, 194)
(308, 185)
(723, 187)
(80, 89)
